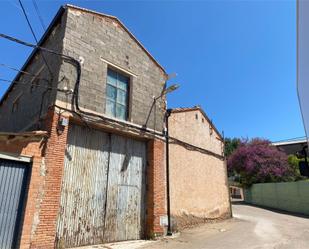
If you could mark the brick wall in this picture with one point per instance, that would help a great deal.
(43, 196)
(155, 188)
(44, 189)
(45, 231)
(28, 147)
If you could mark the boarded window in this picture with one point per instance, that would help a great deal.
(117, 94)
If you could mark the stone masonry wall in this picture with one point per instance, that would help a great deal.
(96, 40)
(32, 93)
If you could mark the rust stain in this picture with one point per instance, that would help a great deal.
(98, 163)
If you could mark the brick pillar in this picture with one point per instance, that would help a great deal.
(44, 230)
(155, 191)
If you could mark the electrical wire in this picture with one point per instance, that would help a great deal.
(20, 71)
(69, 59)
(40, 86)
(75, 100)
(189, 146)
(32, 31)
(91, 116)
(28, 44)
(13, 39)
(38, 14)
(27, 19)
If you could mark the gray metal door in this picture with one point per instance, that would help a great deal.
(13, 181)
(101, 199)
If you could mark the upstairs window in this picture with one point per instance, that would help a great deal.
(117, 94)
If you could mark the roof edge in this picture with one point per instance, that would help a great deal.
(24, 134)
(123, 26)
(34, 51)
(198, 108)
(283, 143)
(48, 31)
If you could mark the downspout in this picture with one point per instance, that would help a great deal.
(227, 177)
(169, 230)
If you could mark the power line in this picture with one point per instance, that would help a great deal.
(189, 146)
(75, 94)
(92, 116)
(40, 86)
(38, 14)
(13, 39)
(32, 31)
(20, 71)
(73, 62)
(18, 41)
(67, 58)
(25, 14)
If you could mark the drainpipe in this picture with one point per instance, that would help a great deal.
(169, 230)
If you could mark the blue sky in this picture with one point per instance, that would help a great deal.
(237, 59)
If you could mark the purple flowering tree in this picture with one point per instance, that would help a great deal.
(257, 161)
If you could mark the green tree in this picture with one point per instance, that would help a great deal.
(230, 145)
(293, 163)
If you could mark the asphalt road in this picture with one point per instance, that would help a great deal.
(251, 228)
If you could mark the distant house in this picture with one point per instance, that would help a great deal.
(291, 146)
(198, 173)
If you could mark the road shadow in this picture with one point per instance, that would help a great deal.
(275, 210)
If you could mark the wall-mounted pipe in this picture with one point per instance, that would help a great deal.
(168, 203)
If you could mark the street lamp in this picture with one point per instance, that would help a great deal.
(167, 90)
(166, 116)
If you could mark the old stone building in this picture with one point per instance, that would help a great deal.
(198, 174)
(83, 131)
(82, 147)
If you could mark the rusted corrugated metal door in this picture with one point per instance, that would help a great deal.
(124, 213)
(102, 189)
(81, 216)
